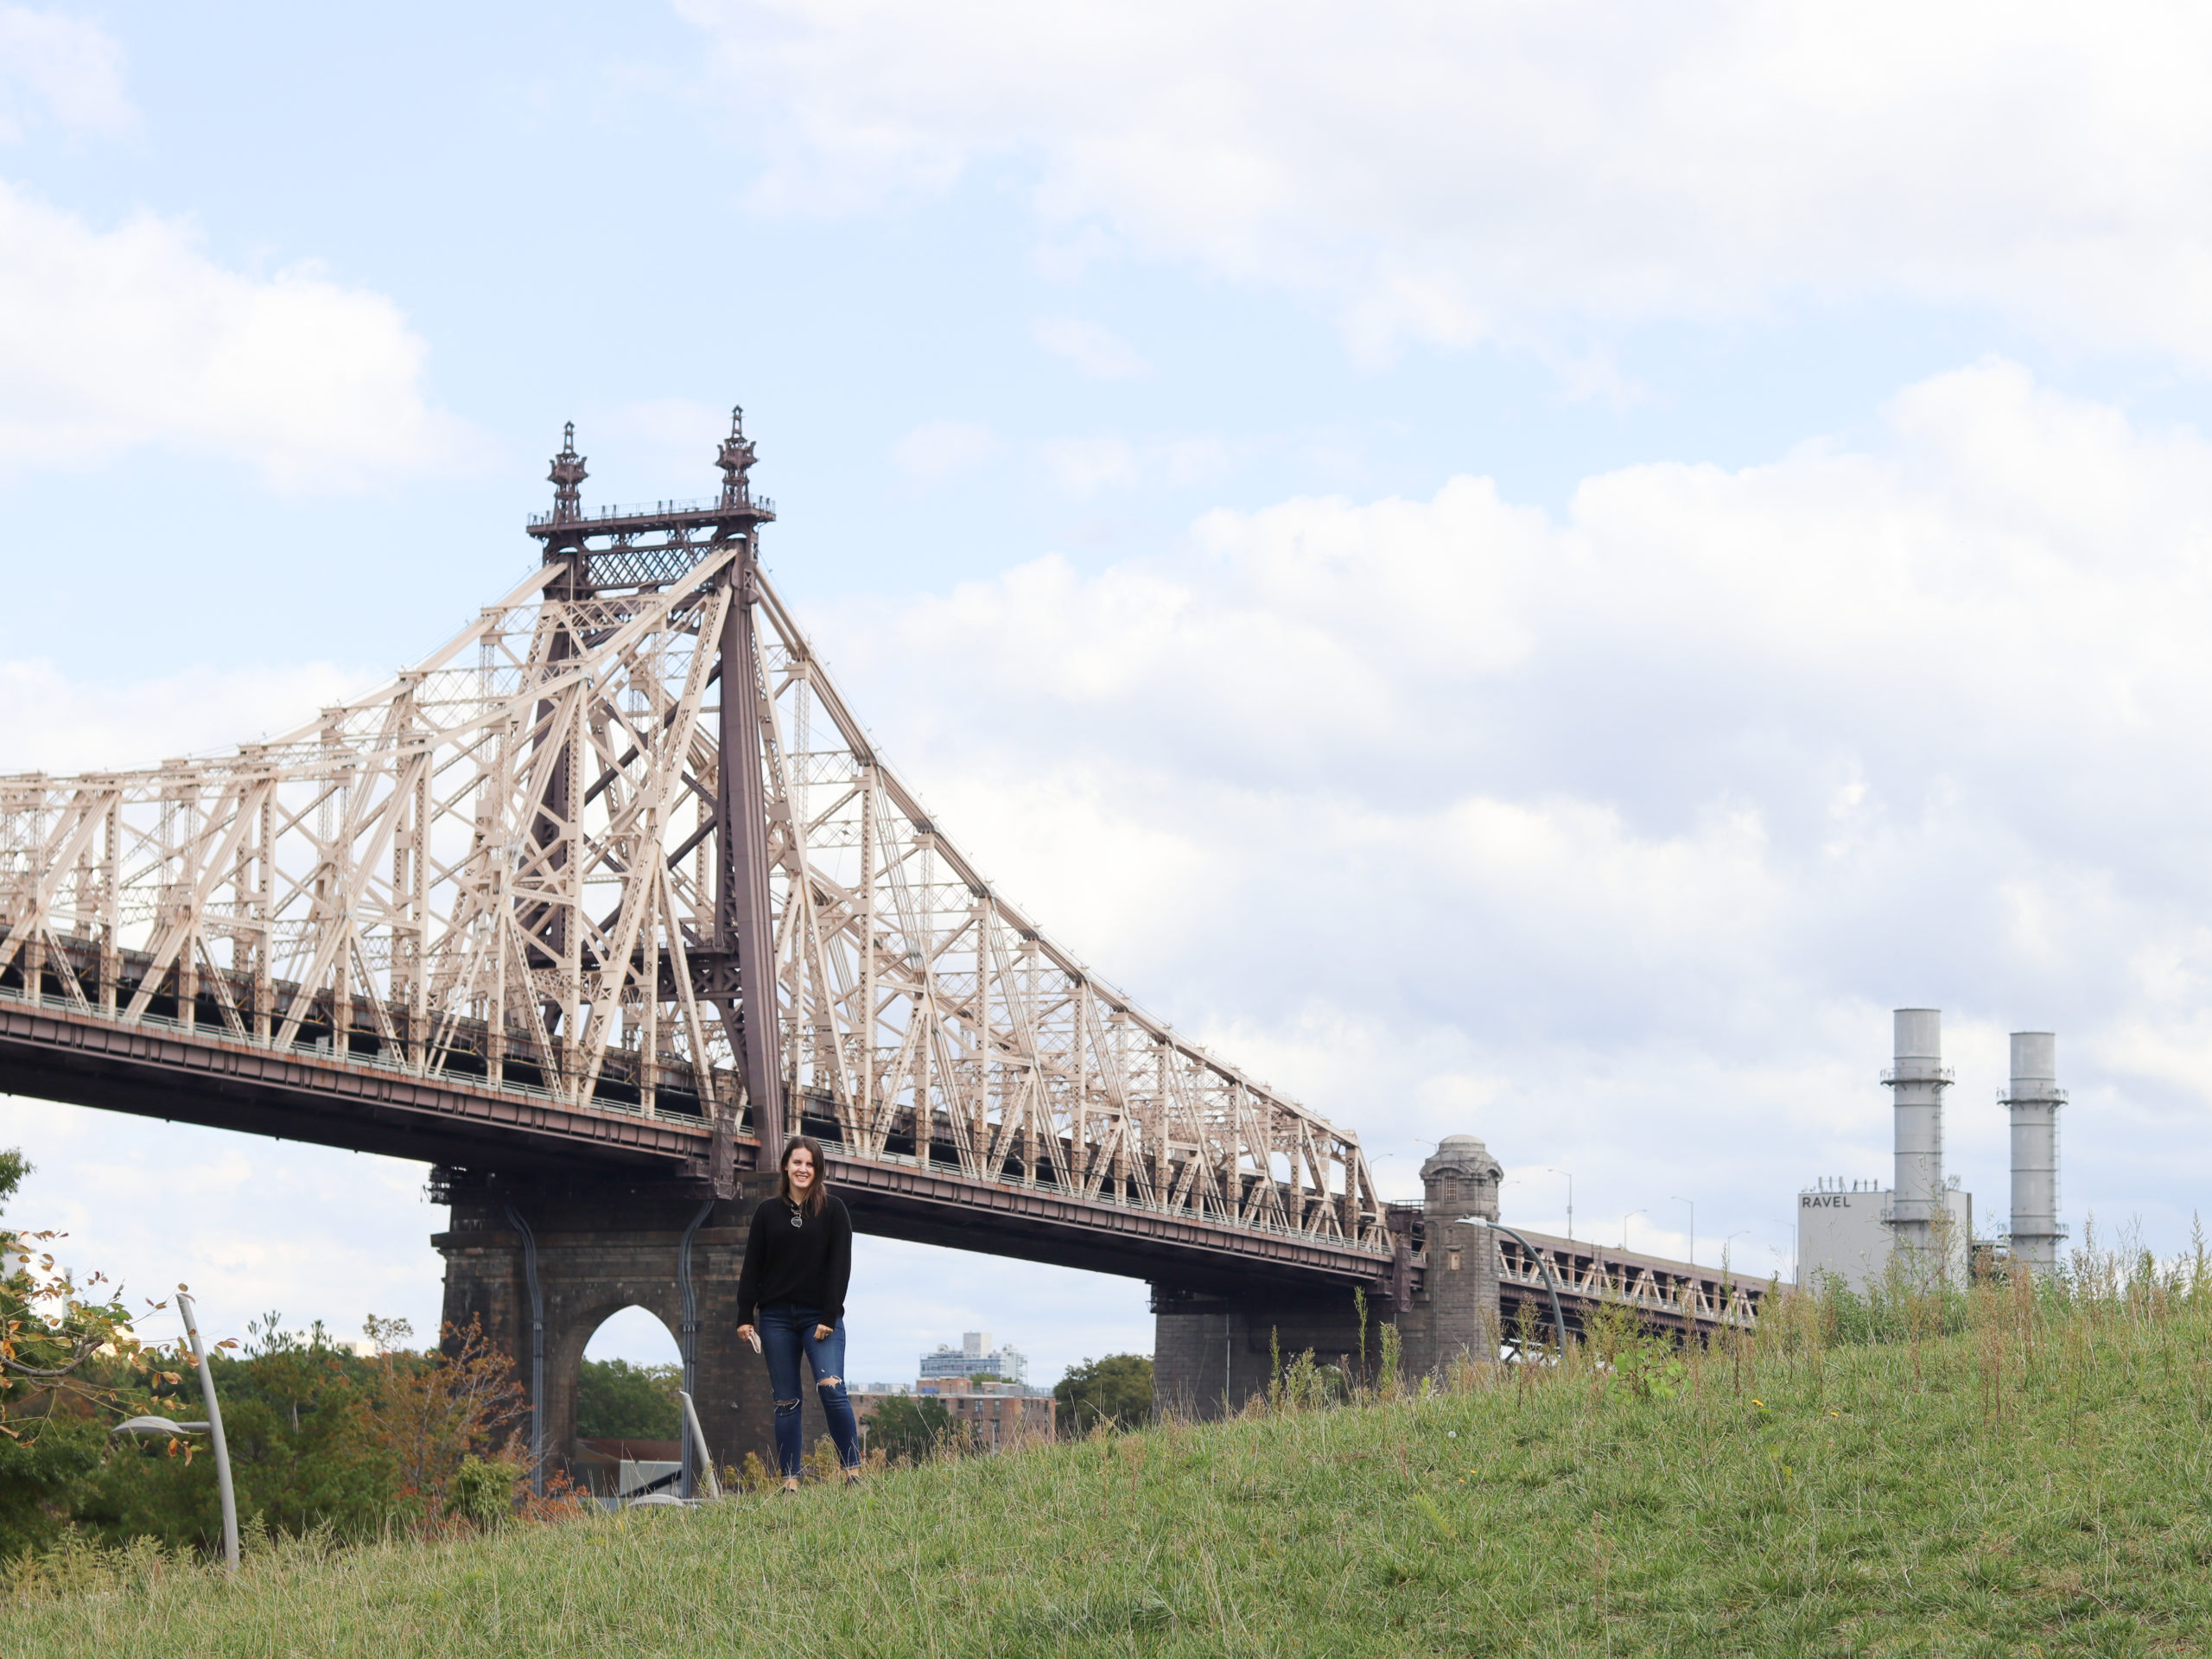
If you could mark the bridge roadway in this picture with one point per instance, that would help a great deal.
(157, 1067)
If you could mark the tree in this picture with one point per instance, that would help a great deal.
(63, 1349)
(617, 1401)
(910, 1426)
(431, 1412)
(294, 1412)
(66, 1358)
(1115, 1390)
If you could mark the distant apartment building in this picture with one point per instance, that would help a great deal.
(1002, 1411)
(1001, 1414)
(975, 1357)
(994, 1415)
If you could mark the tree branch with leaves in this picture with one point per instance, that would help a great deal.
(60, 1340)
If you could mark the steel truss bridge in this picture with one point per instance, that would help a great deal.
(613, 885)
(1660, 1294)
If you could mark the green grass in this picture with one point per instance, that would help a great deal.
(2035, 1483)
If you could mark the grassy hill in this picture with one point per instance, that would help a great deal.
(2012, 1473)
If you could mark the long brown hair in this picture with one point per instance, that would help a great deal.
(812, 1202)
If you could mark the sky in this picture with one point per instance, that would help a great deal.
(1529, 571)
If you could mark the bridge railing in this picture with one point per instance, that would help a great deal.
(321, 1049)
(1107, 1198)
(1588, 1274)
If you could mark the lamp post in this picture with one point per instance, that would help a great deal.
(1625, 1220)
(1551, 1284)
(1569, 1173)
(213, 1429)
(1679, 1199)
(214, 1432)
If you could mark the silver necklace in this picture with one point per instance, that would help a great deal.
(798, 1217)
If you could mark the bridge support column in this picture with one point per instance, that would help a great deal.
(1455, 1313)
(597, 1254)
(1213, 1350)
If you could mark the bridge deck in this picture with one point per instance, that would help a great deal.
(155, 1066)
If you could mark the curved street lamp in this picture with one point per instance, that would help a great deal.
(161, 1426)
(1551, 1284)
(213, 1429)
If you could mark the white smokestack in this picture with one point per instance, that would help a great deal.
(1919, 1080)
(2035, 1101)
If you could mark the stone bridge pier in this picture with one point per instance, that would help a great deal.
(1216, 1348)
(599, 1251)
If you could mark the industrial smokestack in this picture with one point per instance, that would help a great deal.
(1919, 1080)
(2035, 1101)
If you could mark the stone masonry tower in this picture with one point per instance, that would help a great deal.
(1455, 1314)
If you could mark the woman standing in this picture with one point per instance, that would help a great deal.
(790, 1298)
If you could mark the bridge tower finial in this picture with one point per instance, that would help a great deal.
(735, 458)
(568, 477)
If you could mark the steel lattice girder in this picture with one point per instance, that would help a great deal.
(500, 865)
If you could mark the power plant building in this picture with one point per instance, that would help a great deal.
(1854, 1232)
(1846, 1230)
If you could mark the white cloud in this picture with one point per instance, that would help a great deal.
(1095, 350)
(664, 437)
(113, 339)
(58, 725)
(251, 1225)
(1458, 172)
(940, 449)
(1613, 836)
(71, 67)
(1085, 465)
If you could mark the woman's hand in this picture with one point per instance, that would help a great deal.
(749, 1334)
(824, 1332)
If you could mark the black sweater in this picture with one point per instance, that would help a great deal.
(809, 1265)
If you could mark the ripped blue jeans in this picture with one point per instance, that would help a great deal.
(785, 1331)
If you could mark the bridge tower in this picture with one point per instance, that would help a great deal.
(623, 550)
(539, 1266)
(540, 1263)
(1454, 1314)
